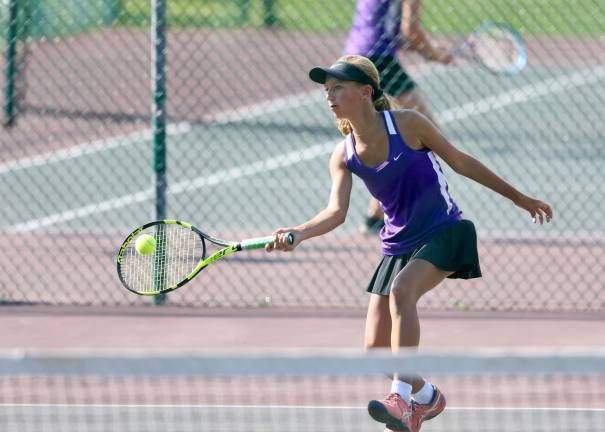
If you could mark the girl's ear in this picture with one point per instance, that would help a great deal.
(367, 91)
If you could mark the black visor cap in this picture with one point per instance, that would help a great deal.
(345, 72)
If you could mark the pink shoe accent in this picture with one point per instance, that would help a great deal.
(423, 412)
(393, 412)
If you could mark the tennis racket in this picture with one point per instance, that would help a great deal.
(180, 255)
(496, 46)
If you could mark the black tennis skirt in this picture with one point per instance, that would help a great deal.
(452, 249)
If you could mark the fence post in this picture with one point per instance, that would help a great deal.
(158, 120)
(112, 12)
(269, 18)
(11, 64)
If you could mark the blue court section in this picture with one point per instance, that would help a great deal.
(255, 172)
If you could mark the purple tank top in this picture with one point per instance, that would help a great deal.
(411, 189)
(376, 28)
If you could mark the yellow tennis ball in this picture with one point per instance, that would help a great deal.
(145, 244)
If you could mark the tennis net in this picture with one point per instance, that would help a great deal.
(486, 391)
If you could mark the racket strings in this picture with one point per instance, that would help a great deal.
(497, 49)
(178, 251)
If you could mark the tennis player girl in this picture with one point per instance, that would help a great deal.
(425, 238)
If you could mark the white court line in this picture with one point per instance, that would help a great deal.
(243, 113)
(247, 112)
(219, 177)
(523, 94)
(286, 407)
(262, 108)
(88, 148)
(300, 99)
(462, 112)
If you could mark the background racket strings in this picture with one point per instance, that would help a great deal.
(499, 48)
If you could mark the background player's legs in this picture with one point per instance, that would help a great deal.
(413, 99)
(374, 219)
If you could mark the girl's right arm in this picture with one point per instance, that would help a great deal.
(332, 216)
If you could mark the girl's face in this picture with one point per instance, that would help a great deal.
(343, 97)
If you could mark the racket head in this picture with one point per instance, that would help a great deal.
(179, 248)
(499, 48)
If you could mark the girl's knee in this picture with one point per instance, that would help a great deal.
(404, 294)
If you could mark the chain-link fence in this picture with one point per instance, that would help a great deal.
(247, 143)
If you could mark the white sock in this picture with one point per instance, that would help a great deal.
(425, 394)
(403, 389)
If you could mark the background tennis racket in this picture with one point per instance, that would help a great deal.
(496, 46)
(179, 256)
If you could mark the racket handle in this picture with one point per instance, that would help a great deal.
(261, 242)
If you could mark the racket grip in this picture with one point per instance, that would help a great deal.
(261, 242)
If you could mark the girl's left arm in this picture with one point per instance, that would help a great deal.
(466, 165)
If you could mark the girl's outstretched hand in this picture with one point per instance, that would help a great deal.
(539, 210)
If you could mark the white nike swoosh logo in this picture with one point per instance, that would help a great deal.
(397, 157)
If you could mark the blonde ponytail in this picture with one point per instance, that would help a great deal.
(384, 103)
(344, 126)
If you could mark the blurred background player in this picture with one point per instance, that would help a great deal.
(380, 29)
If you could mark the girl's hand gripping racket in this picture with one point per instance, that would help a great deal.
(177, 255)
(495, 46)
